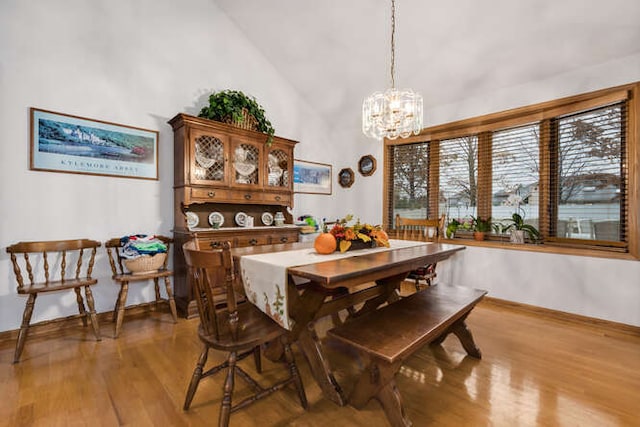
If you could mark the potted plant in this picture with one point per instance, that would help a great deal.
(480, 226)
(519, 228)
(233, 106)
(452, 227)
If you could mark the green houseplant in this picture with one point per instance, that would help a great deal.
(452, 227)
(233, 106)
(480, 226)
(519, 228)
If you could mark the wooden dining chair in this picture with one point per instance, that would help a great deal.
(421, 229)
(52, 266)
(122, 278)
(237, 329)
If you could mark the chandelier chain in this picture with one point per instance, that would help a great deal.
(393, 44)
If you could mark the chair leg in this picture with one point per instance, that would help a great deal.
(293, 371)
(24, 328)
(114, 317)
(229, 383)
(122, 299)
(172, 301)
(81, 308)
(257, 359)
(156, 287)
(195, 378)
(92, 312)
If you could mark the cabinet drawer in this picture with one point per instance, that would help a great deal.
(284, 238)
(205, 194)
(275, 198)
(241, 241)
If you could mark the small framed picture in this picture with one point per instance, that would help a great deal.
(311, 177)
(71, 144)
(346, 177)
(367, 165)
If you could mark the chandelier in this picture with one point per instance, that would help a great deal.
(394, 113)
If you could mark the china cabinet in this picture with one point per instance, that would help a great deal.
(228, 186)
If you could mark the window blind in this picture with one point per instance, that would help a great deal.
(588, 181)
(458, 177)
(408, 189)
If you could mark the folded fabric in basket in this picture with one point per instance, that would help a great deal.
(137, 245)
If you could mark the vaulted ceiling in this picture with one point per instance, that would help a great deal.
(337, 52)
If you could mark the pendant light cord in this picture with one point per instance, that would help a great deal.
(393, 43)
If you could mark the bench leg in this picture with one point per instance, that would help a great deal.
(377, 381)
(463, 333)
(461, 330)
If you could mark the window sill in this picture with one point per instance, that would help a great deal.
(543, 248)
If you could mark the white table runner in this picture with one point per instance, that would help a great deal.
(264, 276)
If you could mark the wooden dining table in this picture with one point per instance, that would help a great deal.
(325, 288)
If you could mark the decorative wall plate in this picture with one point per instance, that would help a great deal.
(267, 218)
(192, 219)
(216, 218)
(241, 219)
(367, 165)
(346, 177)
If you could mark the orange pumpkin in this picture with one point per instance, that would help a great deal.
(325, 243)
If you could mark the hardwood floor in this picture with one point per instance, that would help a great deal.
(535, 371)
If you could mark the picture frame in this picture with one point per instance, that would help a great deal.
(71, 144)
(311, 177)
(367, 165)
(346, 177)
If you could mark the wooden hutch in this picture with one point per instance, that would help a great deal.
(224, 172)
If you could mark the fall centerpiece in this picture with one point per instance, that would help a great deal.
(346, 237)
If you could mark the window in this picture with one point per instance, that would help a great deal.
(458, 177)
(516, 173)
(567, 166)
(408, 194)
(590, 201)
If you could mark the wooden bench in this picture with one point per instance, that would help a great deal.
(384, 338)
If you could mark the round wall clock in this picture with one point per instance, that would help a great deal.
(346, 177)
(367, 165)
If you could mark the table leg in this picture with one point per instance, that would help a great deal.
(303, 308)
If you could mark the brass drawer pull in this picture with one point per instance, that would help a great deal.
(253, 242)
(278, 198)
(247, 196)
(284, 239)
(216, 245)
(211, 194)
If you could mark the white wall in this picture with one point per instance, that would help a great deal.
(135, 63)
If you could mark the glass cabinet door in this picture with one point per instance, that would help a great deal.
(278, 166)
(208, 158)
(245, 163)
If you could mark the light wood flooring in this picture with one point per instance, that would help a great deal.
(535, 371)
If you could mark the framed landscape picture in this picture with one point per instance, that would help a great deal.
(311, 177)
(71, 144)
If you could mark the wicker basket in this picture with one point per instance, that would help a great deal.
(248, 121)
(145, 263)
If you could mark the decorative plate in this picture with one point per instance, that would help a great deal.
(267, 218)
(192, 219)
(241, 219)
(216, 218)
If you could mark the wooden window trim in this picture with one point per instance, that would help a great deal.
(540, 112)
